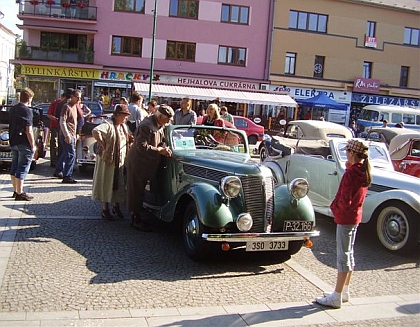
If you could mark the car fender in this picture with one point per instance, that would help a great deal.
(372, 202)
(290, 208)
(213, 212)
(276, 170)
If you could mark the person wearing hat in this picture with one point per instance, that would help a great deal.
(347, 210)
(143, 161)
(113, 141)
(53, 114)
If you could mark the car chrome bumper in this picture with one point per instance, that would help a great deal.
(249, 237)
(85, 162)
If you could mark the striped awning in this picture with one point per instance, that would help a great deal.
(198, 93)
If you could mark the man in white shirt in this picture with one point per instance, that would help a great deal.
(136, 113)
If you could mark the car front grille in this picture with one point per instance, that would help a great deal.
(258, 191)
(259, 198)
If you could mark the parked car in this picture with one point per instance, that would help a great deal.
(225, 201)
(85, 146)
(95, 107)
(385, 134)
(38, 128)
(253, 131)
(392, 204)
(304, 130)
(404, 150)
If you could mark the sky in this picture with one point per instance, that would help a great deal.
(10, 9)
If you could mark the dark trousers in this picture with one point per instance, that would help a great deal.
(55, 148)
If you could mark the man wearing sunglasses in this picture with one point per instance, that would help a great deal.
(68, 128)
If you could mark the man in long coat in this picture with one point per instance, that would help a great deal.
(143, 161)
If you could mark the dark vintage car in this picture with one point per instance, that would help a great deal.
(223, 199)
(38, 128)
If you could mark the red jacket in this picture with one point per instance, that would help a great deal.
(51, 111)
(347, 205)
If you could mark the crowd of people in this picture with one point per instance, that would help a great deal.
(132, 137)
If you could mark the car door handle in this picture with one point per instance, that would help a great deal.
(333, 173)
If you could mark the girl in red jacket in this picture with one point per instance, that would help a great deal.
(347, 210)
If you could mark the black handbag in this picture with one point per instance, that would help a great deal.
(131, 126)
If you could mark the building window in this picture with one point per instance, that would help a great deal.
(411, 36)
(371, 29)
(404, 76)
(180, 51)
(290, 63)
(235, 14)
(183, 9)
(367, 69)
(129, 5)
(58, 41)
(126, 46)
(232, 56)
(308, 21)
(319, 66)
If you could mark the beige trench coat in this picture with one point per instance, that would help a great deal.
(103, 175)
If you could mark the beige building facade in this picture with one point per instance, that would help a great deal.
(355, 52)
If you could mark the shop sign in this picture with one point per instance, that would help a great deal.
(63, 72)
(303, 93)
(366, 85)
(386, 100)
(123, 76)
(207, 82)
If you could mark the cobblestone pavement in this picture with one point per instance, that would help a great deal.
(66, 258)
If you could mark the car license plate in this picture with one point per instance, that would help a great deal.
(267, 246)
(298, 226)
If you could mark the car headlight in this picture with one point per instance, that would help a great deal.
(244, 222)
(299, 187)
(4, 136)
(231, 186)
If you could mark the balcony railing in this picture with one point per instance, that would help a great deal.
(55, 9)
(37, 53)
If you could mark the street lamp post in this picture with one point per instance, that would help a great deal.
(152, 57)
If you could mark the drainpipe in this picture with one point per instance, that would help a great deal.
(152, 57)
(270, 37)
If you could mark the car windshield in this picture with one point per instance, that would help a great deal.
(200, 137)
(377, 154)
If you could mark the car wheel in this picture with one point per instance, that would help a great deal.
(33, 165)
(396, 227)
(192, 231)
(252, 139)
(83, 169)
(263, 153)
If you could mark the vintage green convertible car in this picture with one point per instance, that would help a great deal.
(223, 199)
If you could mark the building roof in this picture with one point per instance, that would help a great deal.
(400, 4)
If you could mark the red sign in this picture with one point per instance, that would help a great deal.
(371, 42)
(366, 85)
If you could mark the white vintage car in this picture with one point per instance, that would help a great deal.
(393, 200)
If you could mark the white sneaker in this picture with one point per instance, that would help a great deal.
(345, 296)
(329, 301)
